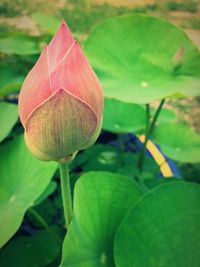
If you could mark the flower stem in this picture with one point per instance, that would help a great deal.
(148, 116)
(66, 192)
(149, 129)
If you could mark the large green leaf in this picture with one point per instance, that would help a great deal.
(19, 45)
(23, 179)
(101, 201)
(49, 23)
(120, 117)
(135, 56)
(178, 142)
(8, 118)
(39, 250)
(162, 229)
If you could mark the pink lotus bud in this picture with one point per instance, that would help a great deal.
(61, 101)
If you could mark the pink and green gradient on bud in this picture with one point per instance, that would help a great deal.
(61, 101)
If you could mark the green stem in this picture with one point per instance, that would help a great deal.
(156, 116)
(149, 129)
(41, 220)
(148, 116)
(66, 192)
(142, 154)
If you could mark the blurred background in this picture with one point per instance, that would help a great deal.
(82, 15)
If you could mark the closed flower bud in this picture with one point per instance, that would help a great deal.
(61, 101)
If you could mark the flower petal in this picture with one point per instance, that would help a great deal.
(75, 73)
(59, 45)
(61, 126)
(36, 87)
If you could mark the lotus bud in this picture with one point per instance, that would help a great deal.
(61, 101)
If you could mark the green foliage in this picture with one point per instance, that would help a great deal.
(18, 45)
(45, 210)
(81, 16)
(8, 10)
(190, 171)
(145, 8)
(129, 167)
(23, 179)
(166, 115)
(120, 117)
(190, 6)
(48, 23)
(178, 142)
(39, 250)
(193, 23)
(47, 192)
(101, 158)
(10, 80)
(133, 63)
(8, 118)
(138, 59)
(100, 203)
(162, 229)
